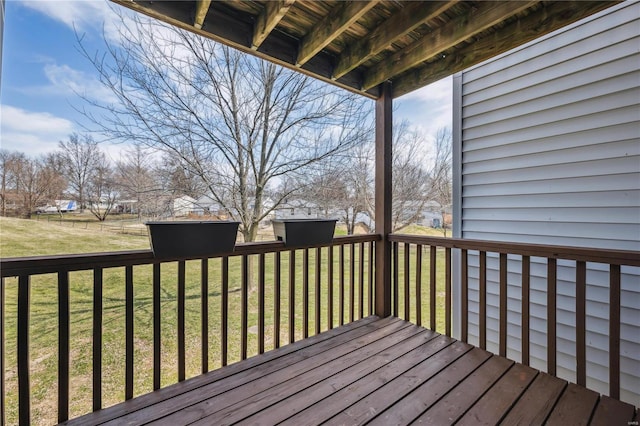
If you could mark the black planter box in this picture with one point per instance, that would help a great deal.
(181, 239)
(304, 232)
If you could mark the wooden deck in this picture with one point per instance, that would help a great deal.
(376, 371)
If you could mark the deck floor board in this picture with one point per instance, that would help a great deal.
(538, 400)
(495, 403)
(288, 382)
(450, 408)
(285, 408)
(373, 371)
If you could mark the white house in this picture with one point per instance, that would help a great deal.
(547, 150)
(183, 206)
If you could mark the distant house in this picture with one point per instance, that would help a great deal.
(300, 209)
(183, 206)
(206, 205)
(433, 215)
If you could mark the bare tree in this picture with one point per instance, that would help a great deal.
(177, 179)
(102, 191)
(410, 176)
(81, 155)
(238, 123)
(355, 177)
(35, 182)
(441, 174)
(410, 185)
(8, 161)
(54, 166)
(136, 180)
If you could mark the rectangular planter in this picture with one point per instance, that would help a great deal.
(192, 239)
(304, 232)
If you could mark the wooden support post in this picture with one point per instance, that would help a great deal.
(384, 122)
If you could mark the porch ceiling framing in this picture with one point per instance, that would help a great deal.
(359, 44)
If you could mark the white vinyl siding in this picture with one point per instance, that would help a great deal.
(549, 153)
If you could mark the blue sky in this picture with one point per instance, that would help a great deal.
(41, 69)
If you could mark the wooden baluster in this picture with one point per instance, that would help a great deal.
(261, 296)
(396, 291)
(224, 311)
(503, 305)
(63, 346)
(371, 275)
(128, 393)
(483, 300)
(419, 284)
(361, 276)
(24, 391)
(277, 278)
(447, 291)
(432, 288)
(341, 276)
(157, 328)
(407, 307)
(330, 288)
(204, 314)
(464, 295)
(292, 296)
(352, 281)
(305, 293)
(181, 324)
(614, 331)
(551, 315)
(526, 295)
(244, 311)
(317, 288)
(581, 322)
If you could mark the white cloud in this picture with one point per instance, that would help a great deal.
(429, 108)
(81, 15)
(37, 133)
(68, 81)
(33, 133)
(437, 91)
(18, 119)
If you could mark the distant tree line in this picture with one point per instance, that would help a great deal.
(80, 171)
(147, 180)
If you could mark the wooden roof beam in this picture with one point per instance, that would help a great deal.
(273, 12)
(330, 27)
(400, 24)
(202, 7)
(476, 20)
(504, 39)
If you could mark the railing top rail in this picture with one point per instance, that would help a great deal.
(35, 265)
(609, 256)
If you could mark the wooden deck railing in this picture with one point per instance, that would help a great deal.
(333, 269)
(407, 278)
(309, 290)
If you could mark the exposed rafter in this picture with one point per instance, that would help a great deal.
(455, 31)
(410, 17)
(202, 7)
(273, 12)
(288, 33)
(330, 27)
(519, 32)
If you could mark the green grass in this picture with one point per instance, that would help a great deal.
(22, 238)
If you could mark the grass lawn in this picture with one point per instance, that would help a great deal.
(28, 237)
